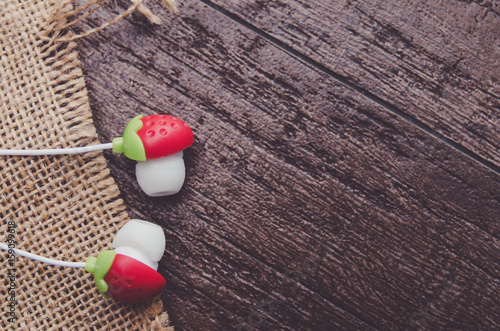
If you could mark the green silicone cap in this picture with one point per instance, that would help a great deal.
(131, 144)
(99, 267)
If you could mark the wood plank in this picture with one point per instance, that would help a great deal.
(307, 206)
(433, 62)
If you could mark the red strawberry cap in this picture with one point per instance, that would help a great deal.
(153, 137)
(132, 281)
(164, 135)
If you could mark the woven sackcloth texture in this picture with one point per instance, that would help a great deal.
(62, 207)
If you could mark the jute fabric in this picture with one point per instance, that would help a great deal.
(62, 207)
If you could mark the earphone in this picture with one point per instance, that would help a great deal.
(156, 142)
(129, 272)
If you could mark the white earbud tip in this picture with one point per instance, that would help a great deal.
(146, 237)
(161, 177)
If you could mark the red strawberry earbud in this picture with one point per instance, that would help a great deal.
(128, 273)
(156, 142)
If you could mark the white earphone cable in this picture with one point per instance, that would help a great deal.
(43, 259)
(55, 151)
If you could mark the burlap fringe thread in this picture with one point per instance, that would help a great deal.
(62, 207)
(62, 14)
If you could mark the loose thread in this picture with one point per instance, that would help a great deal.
(129, 11)
(170, 4)
(61, 7)
(100, 4)
(148, 14)
(137, 4)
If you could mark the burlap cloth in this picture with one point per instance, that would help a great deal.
(61, 207)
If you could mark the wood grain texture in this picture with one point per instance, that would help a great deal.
(307, 206)
(437, 62)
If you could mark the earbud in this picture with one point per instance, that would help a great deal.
(156, 142)
(129, 272)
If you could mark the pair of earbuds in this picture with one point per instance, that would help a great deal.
(129, 272)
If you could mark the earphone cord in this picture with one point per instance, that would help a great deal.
(43, 259)
(55, 151)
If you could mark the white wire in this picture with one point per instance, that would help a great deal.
(43, 259)
(55, 151)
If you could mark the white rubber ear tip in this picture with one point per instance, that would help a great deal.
(161, 177)
(138, 255)
(146, 237)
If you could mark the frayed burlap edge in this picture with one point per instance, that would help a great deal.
(61, 207)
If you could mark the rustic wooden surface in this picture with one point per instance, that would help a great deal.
(436, 63)
(345, 168)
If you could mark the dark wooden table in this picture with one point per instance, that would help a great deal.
(345, 173)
